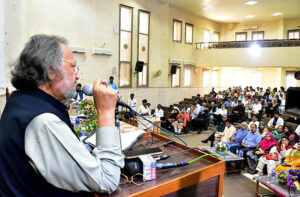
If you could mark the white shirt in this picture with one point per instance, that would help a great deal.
(256, 107)
(57, 154)
(298, 130)
(278, 123)
(234, 104)
(132, 103)
(143, 110)
(221, 111)
(159, 113)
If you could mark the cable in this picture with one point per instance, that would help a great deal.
(163, 157)
(161, 128)
(190, 162)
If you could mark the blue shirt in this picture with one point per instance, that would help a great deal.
(252, 139)
(238, 137)
(227, 103)
(113, 85)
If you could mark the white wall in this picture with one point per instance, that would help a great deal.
(2, 61)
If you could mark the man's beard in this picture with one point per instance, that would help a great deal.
(71, 93)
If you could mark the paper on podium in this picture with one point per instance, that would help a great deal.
(130, 135)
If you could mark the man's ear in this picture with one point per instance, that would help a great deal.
(51, 73)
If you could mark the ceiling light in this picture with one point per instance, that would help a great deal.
(251, 2)
(207, 7)
(250, 16)
(276, 14)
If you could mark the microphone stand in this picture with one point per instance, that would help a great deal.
(117, 123)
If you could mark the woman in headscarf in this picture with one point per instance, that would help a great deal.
(277, 153)
(264, 147)
(262, 129)
(291, 162)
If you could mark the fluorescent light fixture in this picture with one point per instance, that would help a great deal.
(207, 7)
(255, 50)
(250, 16)
(251, 2)
(277, 14)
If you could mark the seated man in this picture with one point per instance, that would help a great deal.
(237, 112)
(235, 102)
(254, 121)
(159, 112)
(132, 102)
(79, 94)
(252, 139)
(229, 131)
(256, 107)
(200, 121)
(248, 109)
(237, 138)
(220, 129)
(144, 111)
(228, 102)
(275, 122)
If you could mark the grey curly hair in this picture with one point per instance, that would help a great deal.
(41, 54)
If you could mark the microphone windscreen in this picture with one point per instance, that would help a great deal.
(88, 89)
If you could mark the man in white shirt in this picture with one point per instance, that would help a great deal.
(254, 121)
(132, 102)
(275, 122)
(159, 112)
(194, 111)
(256, 107)
(144, 111)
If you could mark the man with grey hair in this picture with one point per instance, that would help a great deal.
(40, 153)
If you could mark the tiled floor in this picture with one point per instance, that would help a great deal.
(235, 185)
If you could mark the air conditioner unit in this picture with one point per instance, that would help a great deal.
(175, 61)
(101, 51)
(189, 62)
(250, 27)
(77, 49)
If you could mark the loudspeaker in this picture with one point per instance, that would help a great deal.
(173, 69)
(292, 105)
(139, 66)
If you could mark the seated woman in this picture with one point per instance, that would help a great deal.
(291, 162)
(278, 133)
(181, 121)
(264, 147)
(274, 158)
(272, 107)
(293, 137)
(172, 118)
(262, 129)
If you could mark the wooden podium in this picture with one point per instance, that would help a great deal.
(202, 178)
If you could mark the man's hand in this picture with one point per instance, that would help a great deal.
(105, 103)
(244, 145)
(232, 139)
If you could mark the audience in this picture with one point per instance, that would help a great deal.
(248, 109)
(237, 138)
(254, 121)
(277, 153)
(293, 137)
(237, 112)
(144, 111)
(256, 107)
(79, 94)
(278, 133)
(262, 129)
(159, 112)
(132, 102)
(228, 132)
(181, 121)
(220, 113)
(228, 102)
(272, 107)
(112, 84)
(200, 121)
(264, 147)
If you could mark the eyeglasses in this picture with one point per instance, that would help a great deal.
(74, 65)
(136, 179)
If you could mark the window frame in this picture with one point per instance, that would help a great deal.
(189, 24)
(138, 46)
(178, 67)
(258, 32)
(241, 33)
(185, 69)
(180, 31)
(293, 30)
(130, 62)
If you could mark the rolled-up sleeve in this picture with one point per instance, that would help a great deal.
(58, 155)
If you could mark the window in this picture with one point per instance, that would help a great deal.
(176, 78)
(206, 37)
(214, 81)
(188, 33)
(239, 79)
(125, 46)
(143, 46)
(216, 37)
(294, 34)
(258, 35)
(256, 78)
(187, 77)
(240, 36)
(177, 30)
(290, 80)
(205, 78)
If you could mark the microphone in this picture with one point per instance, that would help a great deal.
(87, 89)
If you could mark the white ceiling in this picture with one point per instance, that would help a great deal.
(228, 11)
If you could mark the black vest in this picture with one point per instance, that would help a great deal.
(17, 176)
